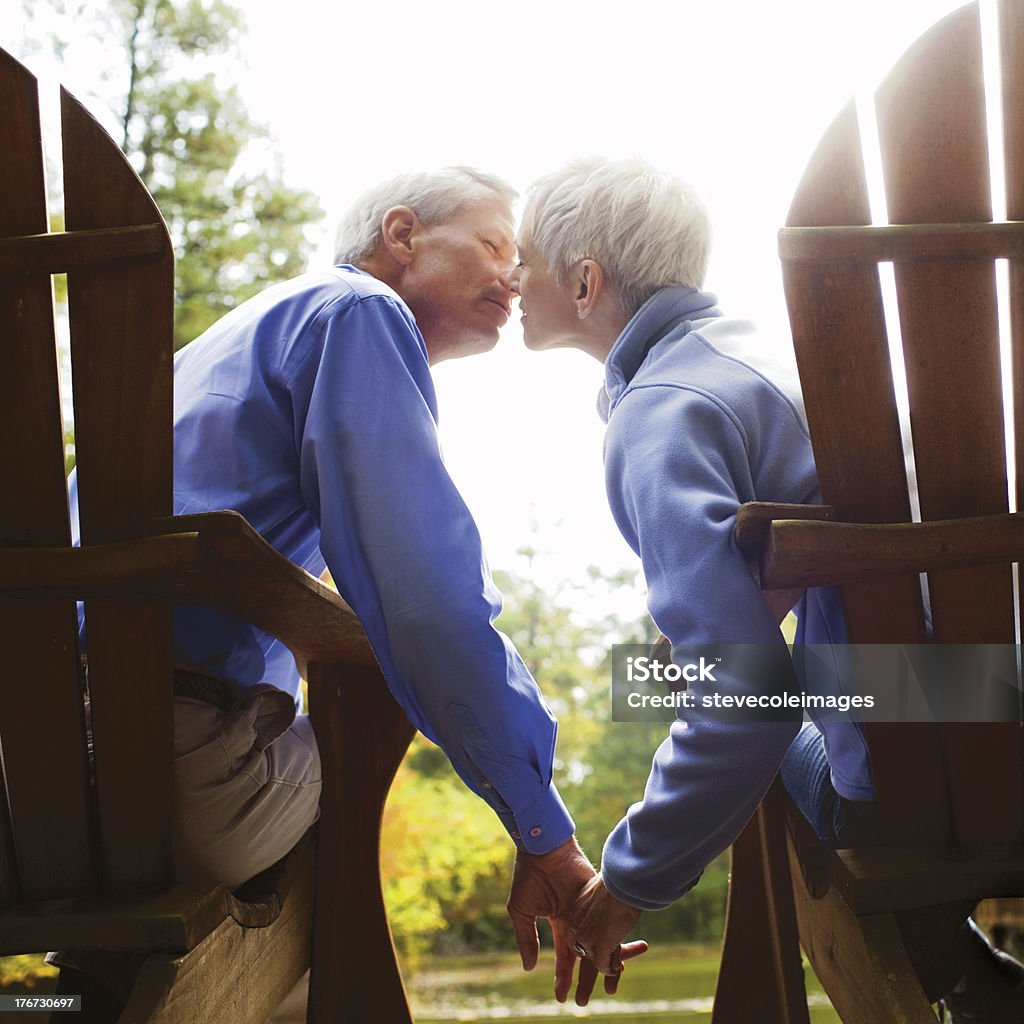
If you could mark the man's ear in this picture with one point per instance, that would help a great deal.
(397, 229)
(587, 286)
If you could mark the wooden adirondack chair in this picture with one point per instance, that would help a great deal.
(85, 845)
(950, 797)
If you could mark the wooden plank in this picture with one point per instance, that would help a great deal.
(173, 920)
(949, 325)
(362, 734)
(841, 345)
(878, 879)
(860, 962)
(807, 553)
(1011, 39)
(59, 252)
(41, 729)
(217, 558)
(236, 974)
(1011, 35)
(760, 976)
(121, 337)
(903, 243)
(928, 121)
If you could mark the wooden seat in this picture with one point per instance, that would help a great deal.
(950, 796)
(85, 836)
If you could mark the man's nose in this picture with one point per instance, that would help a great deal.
(512, 279)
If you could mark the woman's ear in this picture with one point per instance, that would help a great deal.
(588, 285)
(399, 226)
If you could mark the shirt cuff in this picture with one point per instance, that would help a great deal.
(544, 825)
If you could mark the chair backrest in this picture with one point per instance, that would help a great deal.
(70, 824)
(938, 784)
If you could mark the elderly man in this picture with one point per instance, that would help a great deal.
(700, 420)
(310, 409)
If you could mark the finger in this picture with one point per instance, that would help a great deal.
(631, 949)
(565, 958)
(525, 928)
(605, 960)
(585, 982)
(626, 952)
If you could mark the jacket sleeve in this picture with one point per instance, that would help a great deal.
(677, 468)
(406, 555)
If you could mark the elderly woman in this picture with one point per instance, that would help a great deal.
(700, 420)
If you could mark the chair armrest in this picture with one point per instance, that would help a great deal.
(754, 521)
(815, 553)
(213, 558)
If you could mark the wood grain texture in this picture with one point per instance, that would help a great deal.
(39, 681)
(121, 351)
(214, 557)
(949, 325)
(236, 973)
(903, 243)
(842, 349)
(363, 735)
(948, 842)
(797, 553)
(1011, 38)
(760, 976)
(63, 251)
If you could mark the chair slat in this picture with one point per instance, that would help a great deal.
(123, 397)
(40, 696)
(949, 325)
(1011, 35)
(841, 345)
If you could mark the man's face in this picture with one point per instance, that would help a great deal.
(548, 315)
(457, 284)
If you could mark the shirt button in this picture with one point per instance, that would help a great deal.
(536, 831)
(487, 785)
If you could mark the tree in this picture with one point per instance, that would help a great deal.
(236, 226)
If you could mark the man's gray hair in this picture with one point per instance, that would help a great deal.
(434, 196)
(646, 229)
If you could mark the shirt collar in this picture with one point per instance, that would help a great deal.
(661, 315)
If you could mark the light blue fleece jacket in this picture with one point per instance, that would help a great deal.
(701, 420)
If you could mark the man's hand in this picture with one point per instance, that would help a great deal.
(545, 885)
(553, 885)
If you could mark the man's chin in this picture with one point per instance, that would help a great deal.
(474, 346)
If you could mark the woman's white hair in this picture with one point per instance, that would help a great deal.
(434, 196)
(646, 229)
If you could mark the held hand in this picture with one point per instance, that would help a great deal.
(589, 973)
(545, 885)
(601, 922)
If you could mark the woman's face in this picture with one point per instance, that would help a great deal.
(548, 313)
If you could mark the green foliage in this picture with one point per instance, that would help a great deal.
(25, 972)
(236, 226)
(447, 859)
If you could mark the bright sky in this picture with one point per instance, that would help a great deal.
(731, 94)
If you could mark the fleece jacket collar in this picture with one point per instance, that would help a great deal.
(668, 311)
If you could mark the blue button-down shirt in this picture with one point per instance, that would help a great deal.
(310, 410)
